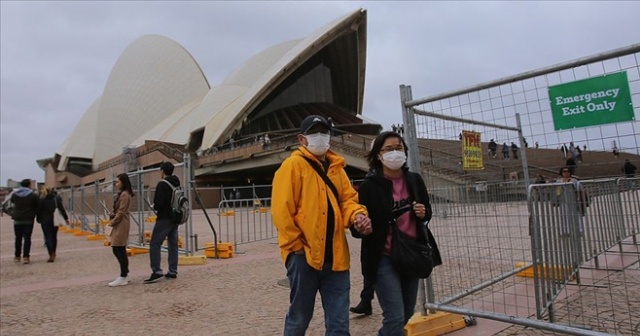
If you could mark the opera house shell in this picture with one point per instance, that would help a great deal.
(157, 97)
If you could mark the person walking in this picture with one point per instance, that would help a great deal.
(119, 223)
(505, 151)
(493, 147)
(313, 202)
(366, 297)
(581, 201)
(49, 202)
(392, 193)
(25, 208)
(164, 227)
(514, 149)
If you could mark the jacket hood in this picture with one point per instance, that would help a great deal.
(23, 192)
(173, 180)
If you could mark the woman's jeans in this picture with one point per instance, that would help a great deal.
(50, 233)
(305, 282)
(397, 298)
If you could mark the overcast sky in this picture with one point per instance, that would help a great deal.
(56, 57)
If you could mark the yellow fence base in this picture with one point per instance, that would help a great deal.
(192, 260)
(66, 229)
(131, 251)
(80, 233)
(225, 250)
(95, 237)
(228, 213)
(544, 271)
(439, 323)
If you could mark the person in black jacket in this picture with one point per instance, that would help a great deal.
(25, 206)
(164, 227)
(49, 202)
(390, 191)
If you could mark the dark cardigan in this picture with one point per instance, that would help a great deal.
(376, 194)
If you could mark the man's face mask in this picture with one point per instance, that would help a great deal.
(318, 143)
(394, 160)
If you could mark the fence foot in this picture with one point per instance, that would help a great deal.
(192, 260)
(439, 323)
(95, 237)
(136, 250)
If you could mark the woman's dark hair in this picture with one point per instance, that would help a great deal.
(563, 168)
(372, 157)
(126, 183)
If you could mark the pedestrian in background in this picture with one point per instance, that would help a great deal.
(119, 223)
(505, 151)
(49, 202)
(25, 208)
(164, 227)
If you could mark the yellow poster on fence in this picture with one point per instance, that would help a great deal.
(471, 151)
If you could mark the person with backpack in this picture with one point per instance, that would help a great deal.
(165, 228)
(49, 202)
(25, 207)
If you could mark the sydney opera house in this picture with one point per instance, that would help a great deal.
(157, 105)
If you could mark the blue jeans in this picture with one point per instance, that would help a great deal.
(397, 298)
(22, 231)
(164, 228)
(305, 282)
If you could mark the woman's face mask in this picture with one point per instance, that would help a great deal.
(394, 160)
(318, 143)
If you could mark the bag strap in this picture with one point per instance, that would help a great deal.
(324, 176)
(170, 185)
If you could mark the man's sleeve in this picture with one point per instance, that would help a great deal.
(285, 192)
(349, 200)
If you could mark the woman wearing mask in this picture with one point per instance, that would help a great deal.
(390, 191)
(120, 228)
(47, 205)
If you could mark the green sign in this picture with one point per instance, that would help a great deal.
(593, 101)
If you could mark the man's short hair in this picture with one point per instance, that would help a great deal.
(25, 183)
(167, 168)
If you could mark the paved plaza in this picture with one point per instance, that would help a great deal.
(236, 296)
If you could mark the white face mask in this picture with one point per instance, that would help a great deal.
(318, 143)
(394, 160)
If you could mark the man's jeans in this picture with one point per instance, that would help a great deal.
(397, 298)
(305, 282)
(164, 228)
(23, 231)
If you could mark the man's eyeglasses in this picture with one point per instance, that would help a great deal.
(391, 149)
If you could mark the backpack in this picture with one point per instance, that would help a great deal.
(179, 213)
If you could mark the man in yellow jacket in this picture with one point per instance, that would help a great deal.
(311, 217)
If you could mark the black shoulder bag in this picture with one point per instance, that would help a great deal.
(410, 257)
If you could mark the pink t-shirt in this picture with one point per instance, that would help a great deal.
(405, 222)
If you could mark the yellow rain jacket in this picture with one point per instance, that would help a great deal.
(299, 208)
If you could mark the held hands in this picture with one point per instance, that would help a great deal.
(362, 224)
(420, 210)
